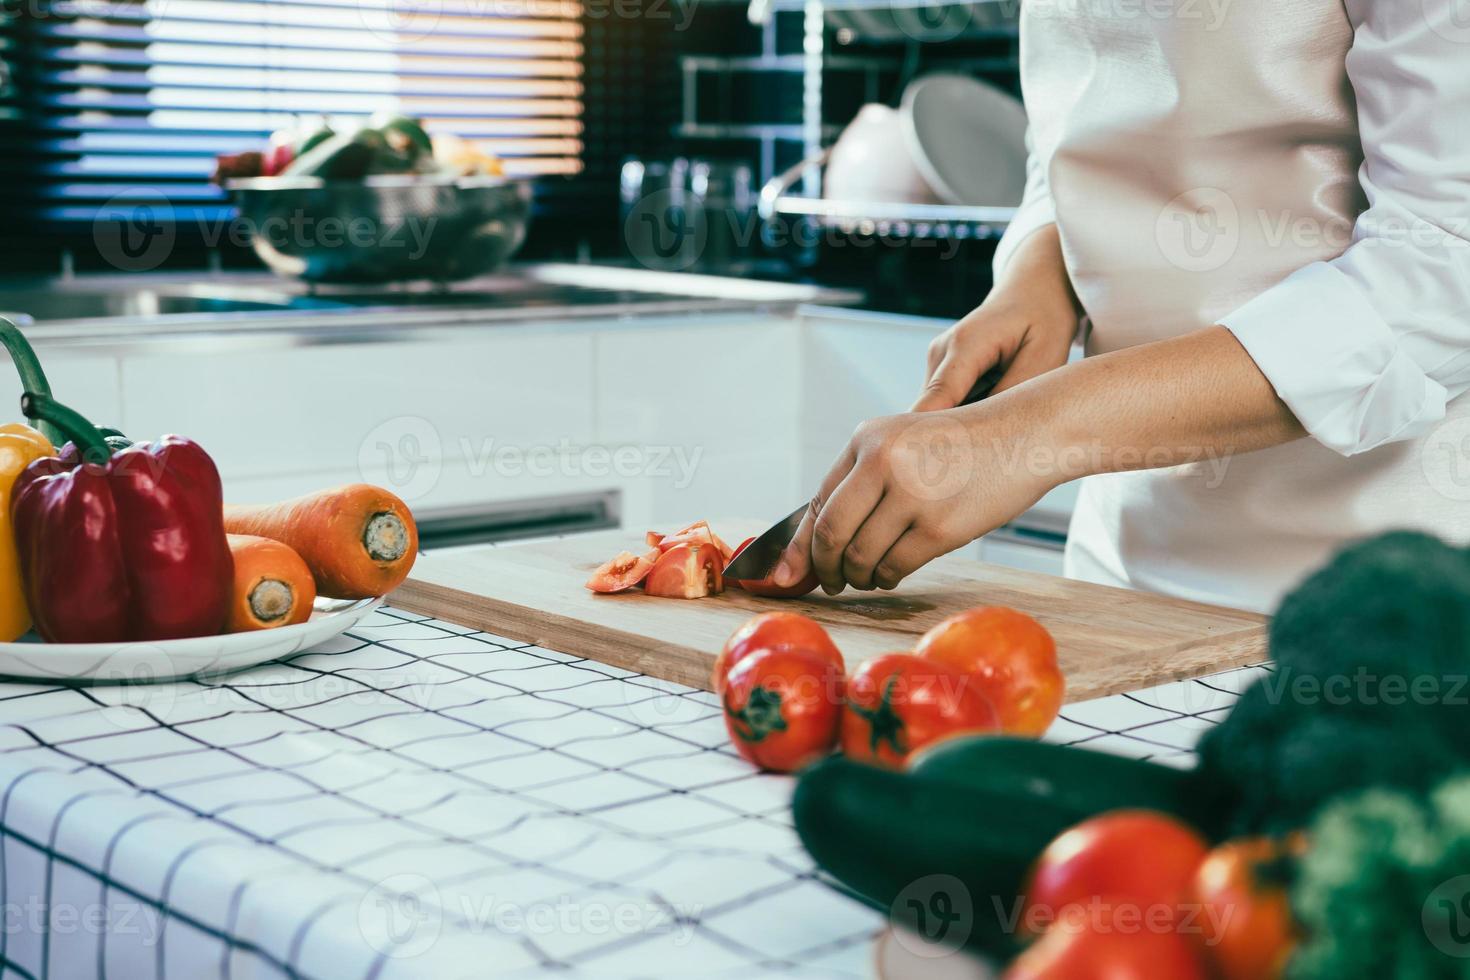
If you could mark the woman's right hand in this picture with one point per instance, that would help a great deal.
(1026, 326)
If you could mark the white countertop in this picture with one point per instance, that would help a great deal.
(414, 799)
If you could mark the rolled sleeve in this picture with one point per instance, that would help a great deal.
(1036, 211)
(1372, 346)
(1336, 363)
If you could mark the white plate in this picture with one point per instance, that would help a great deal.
(968, 139)
(144, 662)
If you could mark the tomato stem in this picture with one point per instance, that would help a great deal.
(761, 715)
(884, 724)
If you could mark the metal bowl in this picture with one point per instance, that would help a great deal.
(383, 228)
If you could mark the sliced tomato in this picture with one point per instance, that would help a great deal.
(653, 539)
(687, 571)
(698, 532)
(765, 587)
(622, 572)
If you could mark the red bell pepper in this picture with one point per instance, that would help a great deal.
(120, 546)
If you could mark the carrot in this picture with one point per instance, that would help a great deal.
(359, 541)
(273, 587)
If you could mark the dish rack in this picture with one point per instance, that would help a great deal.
(941, 21)
(873, 219)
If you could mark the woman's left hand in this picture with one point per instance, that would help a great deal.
(909, 488)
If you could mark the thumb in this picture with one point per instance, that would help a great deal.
(948, 385)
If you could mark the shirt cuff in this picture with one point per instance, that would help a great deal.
(1031, 216)
(1336, 363)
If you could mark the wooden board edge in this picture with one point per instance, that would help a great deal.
(1241, 648)
(580, 639)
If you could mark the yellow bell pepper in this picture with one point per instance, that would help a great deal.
(20, 445)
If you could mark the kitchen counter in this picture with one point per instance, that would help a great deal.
(416, 799)
(258, 309)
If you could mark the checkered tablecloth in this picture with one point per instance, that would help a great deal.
(417, 799)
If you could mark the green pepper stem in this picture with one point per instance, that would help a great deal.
(71, 424)
(28, 365)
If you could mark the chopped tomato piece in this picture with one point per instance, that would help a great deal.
(765, 587)
(622, 572)
(699, 531)
(653, 539)
(686, 571)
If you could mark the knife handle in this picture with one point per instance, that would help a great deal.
(984, 385)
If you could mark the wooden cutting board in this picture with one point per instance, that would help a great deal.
(1108, 640)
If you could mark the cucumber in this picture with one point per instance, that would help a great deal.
(1079, 781)
(947, 859)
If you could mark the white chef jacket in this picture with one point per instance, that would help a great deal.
(1298, 171)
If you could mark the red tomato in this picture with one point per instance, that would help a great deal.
(1134, 863)
(653, 539)
(1105, 953)
(1248, 929)
(898, 703)
(765, 587)
(1014, 658)
(783, 708)
(622, 572)
(774, 631)
(686, 571)
(697, 533)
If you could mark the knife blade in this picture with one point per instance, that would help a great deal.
(759, 559)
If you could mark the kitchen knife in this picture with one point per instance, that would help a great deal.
(759, 559)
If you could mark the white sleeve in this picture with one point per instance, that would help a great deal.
(1036, 211)
(1370, 347)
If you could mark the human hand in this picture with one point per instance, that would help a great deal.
(1025, 327)
(909, 488)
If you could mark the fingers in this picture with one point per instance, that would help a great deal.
(950, 382)
(880, 532)
(1035, 357)
(911, 552)
(798, 556)
(838, 522)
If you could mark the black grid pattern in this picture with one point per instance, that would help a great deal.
(417, 799)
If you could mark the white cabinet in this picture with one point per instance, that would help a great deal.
(731, 414)
(442, 423)
(711, 406)
(481, 415)
(86, 382)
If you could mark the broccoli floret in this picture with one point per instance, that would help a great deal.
(1399, 603)
(1275, 762)
(1372, 687)
(1382, 892)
